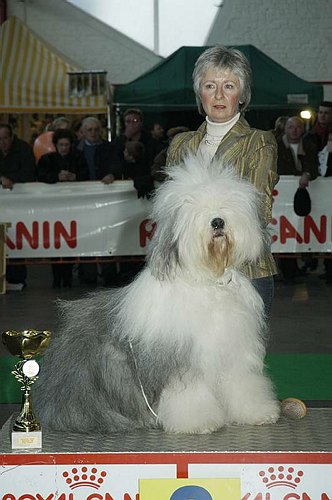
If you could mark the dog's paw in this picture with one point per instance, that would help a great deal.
(190, 409)
(189, 429)
(268, 414)
(268, 419)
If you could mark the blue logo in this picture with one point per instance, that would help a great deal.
(191, 493)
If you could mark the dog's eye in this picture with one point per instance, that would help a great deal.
(217, 223)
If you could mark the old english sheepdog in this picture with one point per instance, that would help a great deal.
(182, 346)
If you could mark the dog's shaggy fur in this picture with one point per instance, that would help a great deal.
(184, 340)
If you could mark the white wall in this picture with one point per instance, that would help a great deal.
(295, 33)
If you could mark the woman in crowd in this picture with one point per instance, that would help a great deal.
(222, 79)
(63, 165)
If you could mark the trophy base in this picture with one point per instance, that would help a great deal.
(26, 440)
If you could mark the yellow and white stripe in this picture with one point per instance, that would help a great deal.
(34, 78)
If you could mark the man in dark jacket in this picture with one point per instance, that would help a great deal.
(17, 164)
(134, 132)
(296, 158)
(97, 152)
(319, 133)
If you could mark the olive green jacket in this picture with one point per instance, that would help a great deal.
(253, 155)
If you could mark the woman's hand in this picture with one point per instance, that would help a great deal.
(108, 179)
(6, 183)
(65, 175)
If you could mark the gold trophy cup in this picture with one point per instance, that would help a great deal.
(25, 345)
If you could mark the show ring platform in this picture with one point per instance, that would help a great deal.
(288, 460)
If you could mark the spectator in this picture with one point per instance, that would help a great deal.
(325, 170)
(78, 132)
(158, 135)
(295, 158)
(37, 127)
(60, 122)
(97, 152)
(17, 164)
(135, 168)
(64, 165)
(279, 126)
(134, 131)
(157, 169)
(157, 132)
(134, 154)
(325, 156)
(318, 135)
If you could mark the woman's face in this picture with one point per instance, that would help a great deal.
(220, 94)
(63, 146)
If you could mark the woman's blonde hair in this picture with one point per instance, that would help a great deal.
(221, 58)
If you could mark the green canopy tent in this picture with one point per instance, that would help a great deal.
(168, 86)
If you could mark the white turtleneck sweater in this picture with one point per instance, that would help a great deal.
(215, 132)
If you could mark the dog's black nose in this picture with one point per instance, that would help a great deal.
(217, 223)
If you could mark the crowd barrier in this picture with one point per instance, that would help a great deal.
(90, 219)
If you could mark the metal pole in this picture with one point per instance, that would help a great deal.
(108, 100)
(156, 25)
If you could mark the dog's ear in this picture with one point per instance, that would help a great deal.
(163, 255)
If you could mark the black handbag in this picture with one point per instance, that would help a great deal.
(302, 202)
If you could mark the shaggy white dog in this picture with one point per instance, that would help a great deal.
(182, 346)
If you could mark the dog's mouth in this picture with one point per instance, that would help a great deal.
(218, 233)
(217, 225)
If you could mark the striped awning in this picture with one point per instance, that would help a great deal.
(33, 77)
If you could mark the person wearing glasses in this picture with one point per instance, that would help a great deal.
(134, 131)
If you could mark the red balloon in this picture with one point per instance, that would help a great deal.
(43, 144)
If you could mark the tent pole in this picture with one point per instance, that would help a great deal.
(156, 26)
(108, 103)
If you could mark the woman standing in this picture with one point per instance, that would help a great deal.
(222, 79)
(64, 165)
